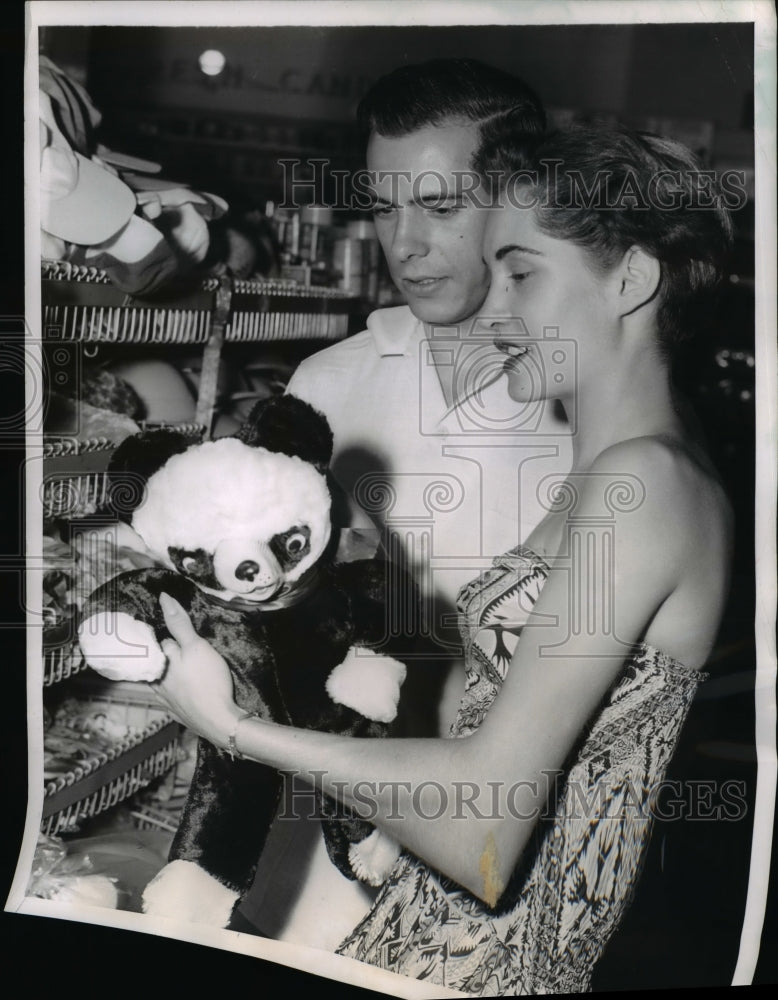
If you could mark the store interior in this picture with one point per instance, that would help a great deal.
(283, 94)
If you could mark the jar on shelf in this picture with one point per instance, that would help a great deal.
(356, 259)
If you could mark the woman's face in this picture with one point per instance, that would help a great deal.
(551, 312)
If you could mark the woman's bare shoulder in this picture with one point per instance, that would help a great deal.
(673, 482)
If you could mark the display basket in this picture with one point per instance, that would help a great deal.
(80, 303)
(287, 310)
(105, 777)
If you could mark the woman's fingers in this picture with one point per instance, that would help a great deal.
(177, 620)
(172, 650)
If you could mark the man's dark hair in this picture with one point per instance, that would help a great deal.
(444, 90)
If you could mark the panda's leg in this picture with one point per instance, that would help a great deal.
(356, 848)
(359, 850)
(228, 813)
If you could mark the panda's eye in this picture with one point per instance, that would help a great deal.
(292, 546)
(295, 543)
(189, 564)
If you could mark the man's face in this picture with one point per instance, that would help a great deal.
(430, 226)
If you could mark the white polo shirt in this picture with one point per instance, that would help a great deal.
(449, 490)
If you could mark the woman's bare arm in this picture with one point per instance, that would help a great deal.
(468, 806)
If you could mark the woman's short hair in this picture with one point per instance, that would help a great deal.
(443, 90)
(608, 189)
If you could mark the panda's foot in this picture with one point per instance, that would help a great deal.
(368, 683)
(120, 647)
(373, 858)
(182, 890)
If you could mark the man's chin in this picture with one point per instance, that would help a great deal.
(440, 313)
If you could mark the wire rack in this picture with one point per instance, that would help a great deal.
(81, 304)
(107, 777)
(61, 661)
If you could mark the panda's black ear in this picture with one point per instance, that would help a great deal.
(132, 464)
(290, 426)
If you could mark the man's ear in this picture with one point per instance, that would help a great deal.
(640, 275)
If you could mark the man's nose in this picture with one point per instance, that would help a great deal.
(410, 237)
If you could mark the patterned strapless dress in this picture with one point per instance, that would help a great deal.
(577, 876)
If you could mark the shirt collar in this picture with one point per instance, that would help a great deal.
(396, 331)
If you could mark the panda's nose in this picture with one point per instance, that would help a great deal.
(244, 565)
(247, 570)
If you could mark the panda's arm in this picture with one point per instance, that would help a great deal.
(385, 605)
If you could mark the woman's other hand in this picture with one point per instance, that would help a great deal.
(197, 685)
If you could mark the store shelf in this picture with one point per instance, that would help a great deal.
(266, 311)
(81, 305)
(102, 772)
(109, 778)
(61, 660)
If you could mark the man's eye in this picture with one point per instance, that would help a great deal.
(382, 211)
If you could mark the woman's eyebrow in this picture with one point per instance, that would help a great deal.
(516, 248)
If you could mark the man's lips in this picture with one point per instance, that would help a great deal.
(422, 284)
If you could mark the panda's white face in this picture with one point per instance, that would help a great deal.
(237, 521)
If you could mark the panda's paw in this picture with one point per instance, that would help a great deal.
(120, 647)
(367, 682)
(182, 890)
(373, 858)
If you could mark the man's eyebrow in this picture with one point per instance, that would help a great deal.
(436, 199)
(515, 248)
(424, 200)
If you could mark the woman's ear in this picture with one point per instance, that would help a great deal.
(640, 275)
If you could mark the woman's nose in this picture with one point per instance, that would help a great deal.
(495, 308)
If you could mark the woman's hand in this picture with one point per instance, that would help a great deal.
(197, 685)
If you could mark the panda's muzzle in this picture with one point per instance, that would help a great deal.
(247, 567)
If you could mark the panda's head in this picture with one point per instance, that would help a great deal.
(244, 518)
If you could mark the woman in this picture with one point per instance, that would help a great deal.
(524, 833)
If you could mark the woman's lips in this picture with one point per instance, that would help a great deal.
(516, 354)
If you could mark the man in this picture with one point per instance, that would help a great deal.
(427, 444)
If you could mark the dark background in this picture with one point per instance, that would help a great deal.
(293, 91)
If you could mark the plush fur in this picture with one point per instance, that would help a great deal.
(243, 525)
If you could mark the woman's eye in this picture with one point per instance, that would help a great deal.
(519, 276)
(295, 543)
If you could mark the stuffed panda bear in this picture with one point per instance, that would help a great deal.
(243, 526)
